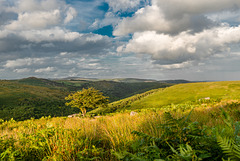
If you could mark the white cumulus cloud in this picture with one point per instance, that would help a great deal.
(172, 17)
(36, 20)
(148, 18)
(167, 49)
(23, 62)
(176, 33)
(39, 28)
(71, 13)
(176, 8)
(23, 70)
(122, 5)
(43, 70)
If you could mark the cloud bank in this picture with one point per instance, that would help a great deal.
(178, 32)
(125, 5)
(39, 27)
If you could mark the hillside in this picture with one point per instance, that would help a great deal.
(190, 94)
(21, 101)
(37, 97)
(116, 90)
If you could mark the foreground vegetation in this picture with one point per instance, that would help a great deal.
(198, 121)
(207, 132)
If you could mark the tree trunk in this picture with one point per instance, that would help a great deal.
(84, 111)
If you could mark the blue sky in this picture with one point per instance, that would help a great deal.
(150, 39)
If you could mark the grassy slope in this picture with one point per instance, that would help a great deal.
(12, 93)
(190, 92)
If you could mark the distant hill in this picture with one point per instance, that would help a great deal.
(178, 81)
(78, 79)
(41, 82)
(132, 80)
(126, 80)
(114, 88)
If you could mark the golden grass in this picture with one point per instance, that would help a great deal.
(75, 135)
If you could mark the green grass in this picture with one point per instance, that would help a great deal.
(191, 92)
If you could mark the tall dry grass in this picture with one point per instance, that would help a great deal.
(92, 138)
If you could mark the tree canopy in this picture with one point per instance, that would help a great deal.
(87, 99)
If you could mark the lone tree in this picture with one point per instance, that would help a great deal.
(87, 99)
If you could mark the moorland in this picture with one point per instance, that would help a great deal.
(35, 97)
(172, 120)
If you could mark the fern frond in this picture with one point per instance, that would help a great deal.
(173, 150)
(237, 128)
(188, 117)
(194, 128)
(236, 150)
(127, 156)
(237, 138)
(229, 147)
(225, 144)
(169, 118)
(226, 118)
(145, 136)
(185, 152)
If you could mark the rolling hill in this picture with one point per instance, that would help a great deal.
(190, 93)
(116, 89)
(36, 97)
(22, 101)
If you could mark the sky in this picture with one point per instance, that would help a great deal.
(151, 39)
